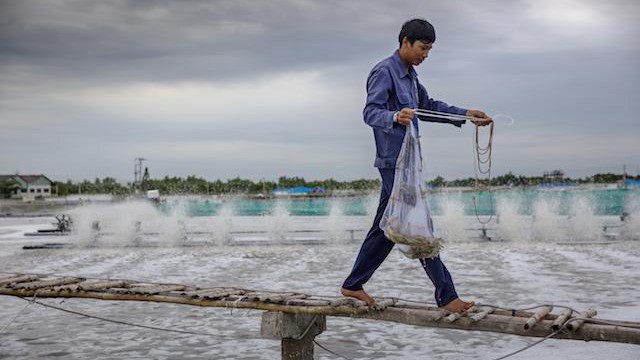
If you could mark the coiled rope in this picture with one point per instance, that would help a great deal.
(481, 155)
(482, 166)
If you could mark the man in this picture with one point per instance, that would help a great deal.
(393, 94)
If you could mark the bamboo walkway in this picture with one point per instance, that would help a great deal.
(539, 323)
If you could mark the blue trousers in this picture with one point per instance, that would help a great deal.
(377, 246)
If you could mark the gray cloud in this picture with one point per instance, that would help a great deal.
(260, 89)
(182, 40)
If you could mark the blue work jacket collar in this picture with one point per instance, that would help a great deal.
(400, 69)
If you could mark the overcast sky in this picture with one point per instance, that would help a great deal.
(261, 89)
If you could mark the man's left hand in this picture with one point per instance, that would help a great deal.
(482, 119)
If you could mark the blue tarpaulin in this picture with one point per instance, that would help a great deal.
(299, 190)
(631, 182)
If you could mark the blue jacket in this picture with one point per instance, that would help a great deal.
(391, 87)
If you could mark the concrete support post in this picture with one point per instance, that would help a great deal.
(296, 332)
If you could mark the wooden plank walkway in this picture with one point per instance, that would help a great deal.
(539, 323)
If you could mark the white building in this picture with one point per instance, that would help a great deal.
(29, 186)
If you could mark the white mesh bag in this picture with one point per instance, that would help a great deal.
(407, 218)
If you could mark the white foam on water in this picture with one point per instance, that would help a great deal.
(508, 274)
(277, 223)
(584, 225)
(372, 202)
(221, 225)
(334, 224)
(631, 225)
(511, 225)
(121, 220)
(547, 223)
(172, 229)
(452, 221)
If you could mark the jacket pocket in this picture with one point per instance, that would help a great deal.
(393, 142)
(405, 100)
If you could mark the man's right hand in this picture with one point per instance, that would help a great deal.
(405, 116)
(481, 119)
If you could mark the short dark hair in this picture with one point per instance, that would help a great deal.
(417, 29)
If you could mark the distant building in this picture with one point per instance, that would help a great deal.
(29, 186)
(555, 179)
(553, 176)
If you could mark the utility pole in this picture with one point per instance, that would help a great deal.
(137, 174)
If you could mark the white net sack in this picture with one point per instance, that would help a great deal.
(407, 219)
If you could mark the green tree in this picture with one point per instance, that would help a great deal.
(8, 187)
(438, 182)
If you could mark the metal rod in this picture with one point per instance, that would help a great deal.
(443, 115)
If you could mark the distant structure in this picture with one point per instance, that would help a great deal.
(553, 176)
(299, 191)
(137, 174)
(631, 183)
(141, 182)
(28, 186)
(144, 184)
(555, 179)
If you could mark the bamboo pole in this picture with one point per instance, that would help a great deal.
(45, 283)
(17, 279)
(347, 301)
(539, 315)
(90, 285)
(273, 297)
(518, 313)
(150, 290)
(215, 293)
(309, 302)
(575, 325)
(455, 316)
(481, 314)
(559, 321)
(424, 316)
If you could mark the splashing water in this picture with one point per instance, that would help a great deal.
(122, 221)
(546, 224)
(372, 202)
(453, 219)
(278, 222)
(631, 225)
(172, 228)
(583, 224)
(555, 216)
(222, 225)
(334, 224)
(510, 224)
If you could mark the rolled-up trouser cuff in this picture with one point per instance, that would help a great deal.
(355, 288)
(444, 301)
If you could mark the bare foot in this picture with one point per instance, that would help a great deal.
(458, 306)
(358, 294)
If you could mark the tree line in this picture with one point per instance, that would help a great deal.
(197, 185)
(509, 179)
